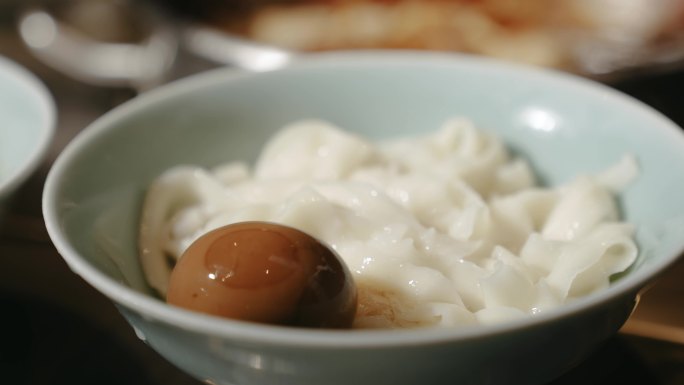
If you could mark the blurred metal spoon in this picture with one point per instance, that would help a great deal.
(230, 50)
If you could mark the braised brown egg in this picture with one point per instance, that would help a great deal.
(264, 272)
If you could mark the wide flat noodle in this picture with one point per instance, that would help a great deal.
(441, 229)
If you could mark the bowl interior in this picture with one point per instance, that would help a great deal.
(26, 124)
(565, 126)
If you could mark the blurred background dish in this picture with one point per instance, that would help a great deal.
(27, 124)
(590, 37)
(132, 42)
(105, 43)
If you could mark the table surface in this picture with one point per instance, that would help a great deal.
(56, 329)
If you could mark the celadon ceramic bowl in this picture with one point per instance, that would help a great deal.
(27, 124)
(564, 125)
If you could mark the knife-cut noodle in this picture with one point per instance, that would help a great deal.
(443, 229)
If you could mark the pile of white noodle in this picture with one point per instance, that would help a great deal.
(442, 229)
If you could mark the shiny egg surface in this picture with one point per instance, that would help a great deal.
(264, 272)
